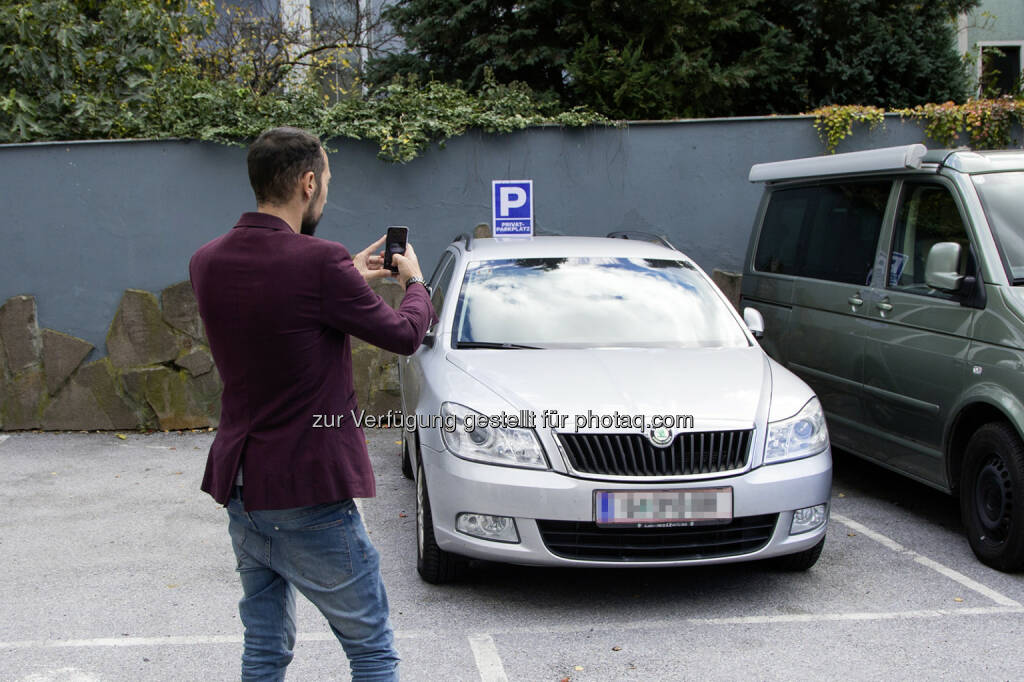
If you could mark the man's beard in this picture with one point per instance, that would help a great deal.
(309, 223)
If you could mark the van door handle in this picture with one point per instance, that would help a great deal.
(855, 300)
(884, 305)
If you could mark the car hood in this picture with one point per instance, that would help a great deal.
(722, 388)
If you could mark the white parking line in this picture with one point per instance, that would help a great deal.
(3, 438)
(484, 643)
(487, 659)
(925, 561)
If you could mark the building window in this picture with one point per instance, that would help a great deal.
(999, 68)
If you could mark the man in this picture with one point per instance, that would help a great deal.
(280, 307)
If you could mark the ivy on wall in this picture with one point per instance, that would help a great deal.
(978, 123)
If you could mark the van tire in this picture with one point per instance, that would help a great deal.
(992, 496)
(800, 561)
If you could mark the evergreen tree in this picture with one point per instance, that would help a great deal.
(672, 58)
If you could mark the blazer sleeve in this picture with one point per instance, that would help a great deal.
(348, 304)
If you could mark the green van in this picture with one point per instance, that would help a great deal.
(892, 282)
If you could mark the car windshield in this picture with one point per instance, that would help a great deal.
(591, 302)
(1001, 197)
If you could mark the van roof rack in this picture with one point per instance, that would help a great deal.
(905, 157)
(643, 237)
(464, 236)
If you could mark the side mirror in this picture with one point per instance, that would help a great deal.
(754, 321)
(941, 266)
(428, 338)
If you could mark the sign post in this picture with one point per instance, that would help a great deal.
(512, 208)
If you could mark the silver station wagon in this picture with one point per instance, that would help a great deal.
(598, 402)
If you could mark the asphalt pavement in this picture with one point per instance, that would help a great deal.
(116, 567)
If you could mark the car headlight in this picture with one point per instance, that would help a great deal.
(480, 439)
(799, 436)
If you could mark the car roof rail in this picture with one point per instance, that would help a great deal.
(643, 237)
(465, 236)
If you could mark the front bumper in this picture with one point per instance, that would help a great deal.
(456, 485)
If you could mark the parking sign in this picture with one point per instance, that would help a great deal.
(512, 208)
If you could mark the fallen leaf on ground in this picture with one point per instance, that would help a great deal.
(842, 494)
(402, 515)
(578, 668)
(958, 599)
(616, 648)
(122, 436)
(851, 535)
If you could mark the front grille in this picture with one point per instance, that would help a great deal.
(632, 454)
(589, 542)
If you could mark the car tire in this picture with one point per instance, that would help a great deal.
(800, 561)
(406, 458)
(992, 496)
(434, 565)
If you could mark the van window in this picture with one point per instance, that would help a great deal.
(1001, 196)
(927, 215)
(826, 231)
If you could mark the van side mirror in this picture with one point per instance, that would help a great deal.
(940, 268)
(754, 321)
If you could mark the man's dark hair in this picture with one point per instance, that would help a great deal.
(278, 159)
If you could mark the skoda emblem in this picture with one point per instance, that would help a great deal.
(661, 436)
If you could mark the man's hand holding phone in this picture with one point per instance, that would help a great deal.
(371, 264)
(408, 265)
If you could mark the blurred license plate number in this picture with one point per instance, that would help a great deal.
(662, 508)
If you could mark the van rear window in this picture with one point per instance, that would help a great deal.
(825, 231)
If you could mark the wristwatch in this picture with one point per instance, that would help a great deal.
(415, 280)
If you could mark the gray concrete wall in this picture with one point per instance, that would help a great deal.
(82, 222)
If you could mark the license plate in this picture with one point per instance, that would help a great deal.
(660, 508)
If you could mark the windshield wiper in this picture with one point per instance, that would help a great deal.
(492, 344)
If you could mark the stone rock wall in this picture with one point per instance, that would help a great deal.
(158, 373)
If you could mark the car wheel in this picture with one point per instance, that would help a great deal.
(406, 459)
(433, 563)
(992, 496)
(800, 561)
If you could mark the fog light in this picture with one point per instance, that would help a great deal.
(808, 519)
(497, 528)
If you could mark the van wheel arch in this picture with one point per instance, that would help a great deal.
(970, 419)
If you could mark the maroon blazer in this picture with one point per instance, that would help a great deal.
(279, 310)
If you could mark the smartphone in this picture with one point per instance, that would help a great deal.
(395, 243)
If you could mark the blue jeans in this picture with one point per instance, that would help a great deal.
(325, 553)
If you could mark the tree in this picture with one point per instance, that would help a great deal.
(670, 58)
(262, 46)
(886, 53)
(457, 40)
(85, 68)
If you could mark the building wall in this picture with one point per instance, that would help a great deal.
(999, 22)
(996, 20)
